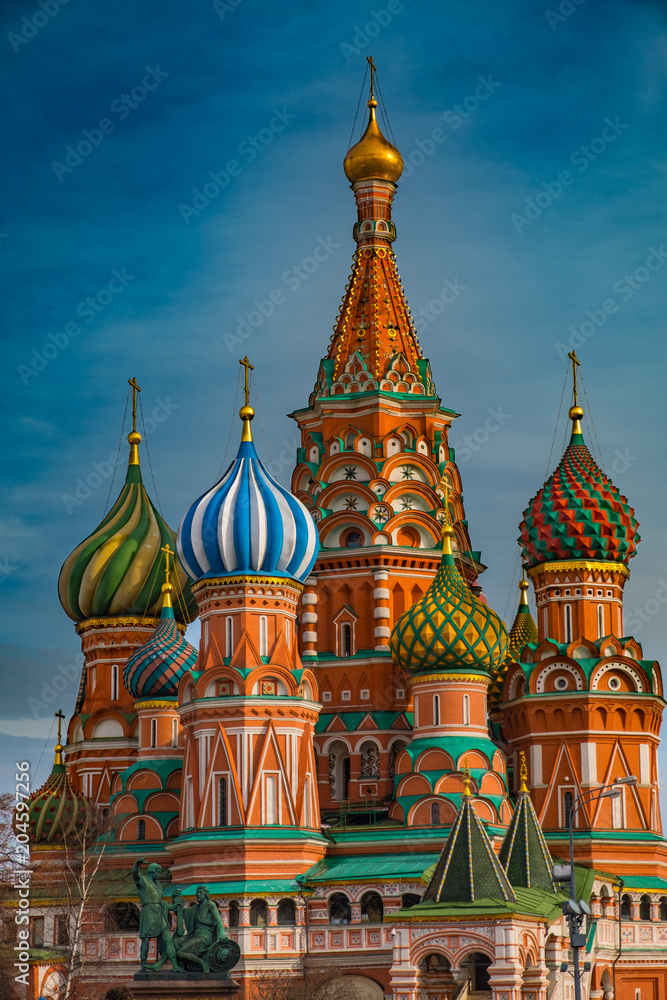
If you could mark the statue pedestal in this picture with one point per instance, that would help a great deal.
(183, 986)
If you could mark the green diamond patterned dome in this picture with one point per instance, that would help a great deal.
(578, 514)
(449, 628)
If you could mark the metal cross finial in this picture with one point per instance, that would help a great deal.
(523, 773)
(369, 60)
(575, 364)
(168, 552)
(135, 390)
(60, 717)
(246, 364)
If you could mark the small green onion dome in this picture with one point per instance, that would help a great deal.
(449, 629)
(118, 569)
(57, 812)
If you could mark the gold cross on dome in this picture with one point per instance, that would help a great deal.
(369, 60)
(248, 367)
(135, 389)
(168, 553)
(575, 364)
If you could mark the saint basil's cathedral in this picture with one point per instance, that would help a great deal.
(364, 766)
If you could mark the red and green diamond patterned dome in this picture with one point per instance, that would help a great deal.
(578, 513)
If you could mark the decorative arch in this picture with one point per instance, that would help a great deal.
(538, 686)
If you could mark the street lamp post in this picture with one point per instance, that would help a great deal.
(575, 910)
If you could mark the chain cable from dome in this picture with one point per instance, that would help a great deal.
(118, 451)
(356, 114)
(148, 456)
(553, 440)
(231, 426)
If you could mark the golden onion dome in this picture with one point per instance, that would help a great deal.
(373, 157)
(449, 629)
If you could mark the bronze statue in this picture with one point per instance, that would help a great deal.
(205, 929)
(153, 919)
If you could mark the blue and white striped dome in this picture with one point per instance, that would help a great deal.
(248, 523)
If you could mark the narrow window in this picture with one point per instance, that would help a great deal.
(205, 635)
(38, 932)
(600, 621)
(306, 802)
(141, 829)
(287, 632)
(545, 623)
(94, 678)
(568, 623)
(222, 802)
(61, 930)
(435, 814)
(263, 636)
(114, 683)
(466, 709)
(436, 709)
(617, 812)
(271, 804)
(229, 636)
(567, 809)
(153, 732)
(346, 639)
(174, 732)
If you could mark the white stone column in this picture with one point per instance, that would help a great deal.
(309, 619)
(382, 614)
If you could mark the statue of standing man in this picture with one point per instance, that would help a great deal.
(153, 919)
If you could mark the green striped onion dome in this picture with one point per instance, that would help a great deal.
(57, 811)
(449, 629)
(578, 513)
(119, 569)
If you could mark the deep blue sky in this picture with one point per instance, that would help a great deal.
(220, 73)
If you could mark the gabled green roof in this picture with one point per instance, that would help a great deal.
(365, 867)
(524, 854)
(468, 868)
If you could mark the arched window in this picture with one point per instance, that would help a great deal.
(340, 911)
(153, 732)
(346, 639)
(174, 732)
(286, 913)
(568, 623)
(263, 636)
(435, 814)
(409, 899)
(233, 913)
(466, 709)
(205, 635)
(645, 907)
(114, 683)
(600, 621)
(94, 678)
(567, 809)
(626, 907)
(436, 709)
(141, 829)
(353, 540)
(662, 908)
(222, 802)
(229, 636)
(259, 913)
(372, 908)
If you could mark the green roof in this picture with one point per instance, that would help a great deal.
(383, 720)
(246, 888)
(532, 902)
(524, 854)
(644, 882)
(362, 867)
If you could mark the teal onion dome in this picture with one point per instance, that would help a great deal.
(155, 669)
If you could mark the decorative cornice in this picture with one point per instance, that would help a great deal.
(448, 678)
(157, 703)
(264, 581)
(579, 564)
(128, 621)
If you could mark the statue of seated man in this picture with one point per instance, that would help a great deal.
(205, 927)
